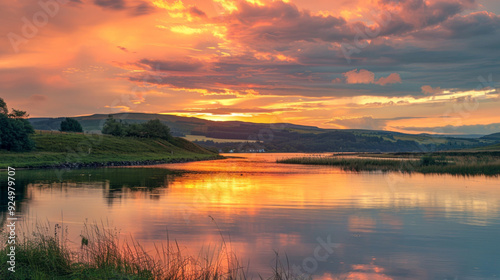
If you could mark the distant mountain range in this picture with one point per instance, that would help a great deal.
(283, 137)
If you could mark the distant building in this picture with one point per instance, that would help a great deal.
(256, 151)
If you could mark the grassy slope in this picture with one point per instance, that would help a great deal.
(56, 148)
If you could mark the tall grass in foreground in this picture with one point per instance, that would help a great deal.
(42, 254)
(477, 164)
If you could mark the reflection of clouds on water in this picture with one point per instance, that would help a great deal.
(426, 228)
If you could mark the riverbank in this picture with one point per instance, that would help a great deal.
(76, 150)
(455, 163)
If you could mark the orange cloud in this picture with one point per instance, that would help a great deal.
(430, 90)
(361, 77)
(391, 79)
(367, 77)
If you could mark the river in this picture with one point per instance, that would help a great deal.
(331, 224)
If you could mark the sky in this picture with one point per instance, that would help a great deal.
(413, 66)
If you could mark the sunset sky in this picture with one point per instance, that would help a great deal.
(403, 65)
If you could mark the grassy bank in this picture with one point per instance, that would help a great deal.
(73, 150)
(442, 163)
(45, 254)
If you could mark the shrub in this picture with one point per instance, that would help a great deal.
(150, 129)
(71, 125)
(427, 160)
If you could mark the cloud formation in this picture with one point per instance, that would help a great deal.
(482, 129)
(430, 90)
(173, 65)
(360, 123)
(111, 4)
(366, 77)
(256, 58)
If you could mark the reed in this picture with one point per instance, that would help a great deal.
(462, 164)
(45, 253)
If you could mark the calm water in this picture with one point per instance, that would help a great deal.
(382, 226)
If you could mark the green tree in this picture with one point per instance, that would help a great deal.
(135, 130)
(156, 129)
(15, 130)
(150, 129)
(72, 125)
(113, 127)
(18, 114)
(3, 107)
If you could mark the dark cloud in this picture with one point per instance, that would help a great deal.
(164, 65)
(196, 12)
(181, 82)
(123, 48)
(143, 8)
(412, 15)
(111, 4)
(472, 25)
(140, 8)
(463, 27)
(284, 22)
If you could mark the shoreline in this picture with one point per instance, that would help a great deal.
(101, 164)
(72, 151)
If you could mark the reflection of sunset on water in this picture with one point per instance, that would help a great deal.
(388, 226)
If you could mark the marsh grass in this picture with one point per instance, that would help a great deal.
(45, 253)
(456, 164)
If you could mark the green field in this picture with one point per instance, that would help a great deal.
(56, 149)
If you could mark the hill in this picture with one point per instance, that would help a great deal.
(180, 126)
(494, 136)
(56, 149)
(279, 137)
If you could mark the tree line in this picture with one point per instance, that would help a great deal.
(150, 129)
(15, 129)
